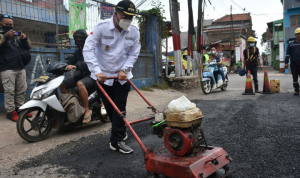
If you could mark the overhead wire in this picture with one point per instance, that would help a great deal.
(146, 5)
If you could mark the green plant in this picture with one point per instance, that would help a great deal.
(145, 16)
(146, 88)
(163, 86)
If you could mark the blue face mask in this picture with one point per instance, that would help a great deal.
(208, 52)
(252, 45)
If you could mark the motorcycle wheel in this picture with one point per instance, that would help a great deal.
(206, 86)
(28, 128)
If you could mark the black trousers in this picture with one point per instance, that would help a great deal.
(253, 71)
(295, 68)
(118, 94)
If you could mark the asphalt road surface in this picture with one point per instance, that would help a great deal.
(262, 135)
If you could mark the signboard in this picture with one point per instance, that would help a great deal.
(226, 62)
(281, 51)
(226, 47)
(106, 11)
(77, 16)
(237, 54)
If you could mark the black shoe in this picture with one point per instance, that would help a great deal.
(121, 147)
(296, 93)
(125, 136)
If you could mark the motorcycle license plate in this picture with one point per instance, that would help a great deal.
(42, 79)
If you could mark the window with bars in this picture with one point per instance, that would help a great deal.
(295, 20)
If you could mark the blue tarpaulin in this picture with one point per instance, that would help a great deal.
(169, 53)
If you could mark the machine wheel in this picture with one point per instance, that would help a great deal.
(206, 86)
(31, 129)
(155, 175)
(221, 173)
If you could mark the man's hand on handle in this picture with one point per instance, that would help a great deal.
(122, 76)
(286, 66)
(101, 77)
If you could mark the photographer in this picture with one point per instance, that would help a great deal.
(12, 65)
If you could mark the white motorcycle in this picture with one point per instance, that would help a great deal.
(47, 112)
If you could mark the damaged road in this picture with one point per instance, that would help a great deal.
(262, 135)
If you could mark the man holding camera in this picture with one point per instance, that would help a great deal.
(12, 70)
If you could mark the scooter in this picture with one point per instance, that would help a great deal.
(47, 112)
(210, 82)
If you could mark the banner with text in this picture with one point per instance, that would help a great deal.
(106, 11)
(77, 16)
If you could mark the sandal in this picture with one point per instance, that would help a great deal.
(89, 116)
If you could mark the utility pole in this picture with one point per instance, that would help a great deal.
(56, 22)
(199, 36)
(231, 36)
(174, 8)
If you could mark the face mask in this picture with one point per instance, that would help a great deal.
(124, 23)
(213, 52)
(252, 45)
(79, 43)
(6, 28)
(208, 52)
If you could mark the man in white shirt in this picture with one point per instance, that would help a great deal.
(111, 50)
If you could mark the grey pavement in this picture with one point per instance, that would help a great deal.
(14, 149)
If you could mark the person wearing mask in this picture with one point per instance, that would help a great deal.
(111, 50)
(206, 57)
(12, 67)
(219, 63)
(252, 61)
(81, 77)
(293, 53)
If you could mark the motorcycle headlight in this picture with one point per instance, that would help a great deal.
(47, 94)
(38, 94)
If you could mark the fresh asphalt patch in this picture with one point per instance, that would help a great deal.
(262, 136)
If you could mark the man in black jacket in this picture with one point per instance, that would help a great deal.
(82, 74)
(293, 53)
(12, 70)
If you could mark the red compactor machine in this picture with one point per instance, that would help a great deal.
(188, 155)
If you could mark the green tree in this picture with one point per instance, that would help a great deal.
(264, 42)
(263, 38)
(254, 34)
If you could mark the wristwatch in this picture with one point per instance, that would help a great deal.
(125, 71)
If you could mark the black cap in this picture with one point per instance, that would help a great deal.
(208, 48)
(127, 7)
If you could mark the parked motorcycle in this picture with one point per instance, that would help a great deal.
(47, 112)
(210, 82)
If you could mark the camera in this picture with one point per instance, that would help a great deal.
(18, 33)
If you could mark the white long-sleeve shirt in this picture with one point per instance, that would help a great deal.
(108, 51)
